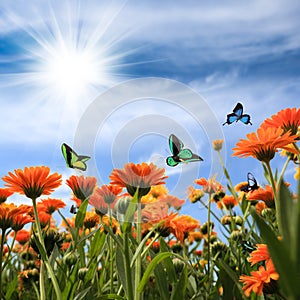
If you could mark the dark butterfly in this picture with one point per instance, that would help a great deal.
(247, 246)
(238, 115)
(72, 159)
(73, 209)
(179, 154)
(252, 184)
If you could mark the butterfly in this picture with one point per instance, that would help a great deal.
(237, 114)
(247, 247)
(252, 184)
(72, 159)
(179, 154)
(73, 209)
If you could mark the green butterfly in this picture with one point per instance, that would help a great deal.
(72, 159)
(180, 155)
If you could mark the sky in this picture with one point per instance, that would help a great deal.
(114, 79)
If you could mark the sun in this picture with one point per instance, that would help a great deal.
(71, 72)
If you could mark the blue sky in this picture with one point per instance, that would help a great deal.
(225, 52)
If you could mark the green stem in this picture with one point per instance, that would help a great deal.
(1, 258)
(138, 263)
(276, 199)
(283, 171)
(111, 269)
(208, 240)
(127, 267)
(46, 260)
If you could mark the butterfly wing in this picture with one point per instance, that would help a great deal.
(252, 183)
(175, 144)
(231, 118)
(246, 119)
(171, 162)
(238, 110)
(186, 155)
(72, 159)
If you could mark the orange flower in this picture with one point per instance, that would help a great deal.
(51, 205)
(154, 212)
(266, 195)
(141, 176)
(264, 144)
(156, 192)
(217, 144)
(260, 254)
(287, 119)
(172, 201)
(4, 194)
(23, 236)
(9, 215)
(194, 194)
(259, 207)
(182, 225)
(227, 201)
(104, 196)
(91, 220)
(259, 279)
(20, 220)
(82, 187)
(210, 186)
(33, 181)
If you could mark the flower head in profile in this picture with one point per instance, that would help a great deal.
(264, 194)
(51, 205)
(287, 119)
(217, 144)
(33, 181)
(194, 194)
(82, 187)
(104, 196)
(4, 194)
(210, 186)
(264, 144)
(156, 193)
(264, 278)
(91, 220)
(228, 202)
(22, 236)
(12, 216)
(141, 176)
(260, 254)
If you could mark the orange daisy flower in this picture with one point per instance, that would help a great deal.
(104, 196)
(23, 236)
(91, 220)
(260, 254)
(9, 215)
(156, 192)
(259, 279)
(266, 195)
(4, 194)
(194, 194)
(82, 187)
(217, 144)
(210, 186)
(154, 212)
(33, 181)
(182, 225)
(287, 119)
(51, 205)
(259, 207)
(172, 201)
(20, 220)
(141, 176)
(227, 201)
(264, 144)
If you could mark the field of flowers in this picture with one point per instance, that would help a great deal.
(128, 239)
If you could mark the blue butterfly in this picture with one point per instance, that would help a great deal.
(179, 154)
(252, 184)
(238, 115)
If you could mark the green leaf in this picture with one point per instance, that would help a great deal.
(111, 296)
(130, 212)
(81, 213)
(120, 263)
(162, 282)
(179, 292)
(82, 294)
(11, 287)
(72, 283)
(289, 279)
(97, 243)
(160, 257)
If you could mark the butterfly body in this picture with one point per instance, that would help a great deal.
(237, 115)
(180, 154)
(73, 160)
(252, 184)
(73, 209)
